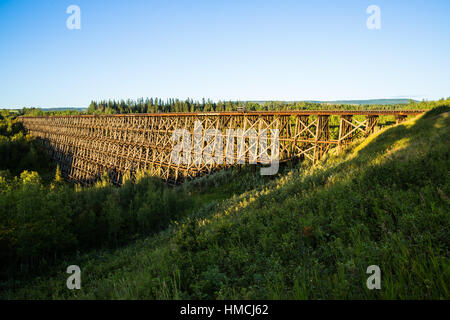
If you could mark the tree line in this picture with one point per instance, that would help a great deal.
(158, 105)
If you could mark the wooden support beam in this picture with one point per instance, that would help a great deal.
(322, 134)
(345, 128)
(399, 118)
(372, 125)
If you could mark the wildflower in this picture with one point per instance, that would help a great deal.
(307, 232)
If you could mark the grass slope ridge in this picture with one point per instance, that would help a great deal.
(309, 234)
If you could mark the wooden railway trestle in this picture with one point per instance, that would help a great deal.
(86, 146)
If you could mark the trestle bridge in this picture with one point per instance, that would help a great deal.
(87, 146)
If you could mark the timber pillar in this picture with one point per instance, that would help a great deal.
(345, 130)
(322, 136)
(399, 118)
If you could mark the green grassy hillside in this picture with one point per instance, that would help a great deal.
(310, 233)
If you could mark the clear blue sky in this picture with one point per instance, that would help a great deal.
(238, 50)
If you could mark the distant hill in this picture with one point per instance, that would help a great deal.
(63, 109)
(370, 101)
(358, 102)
